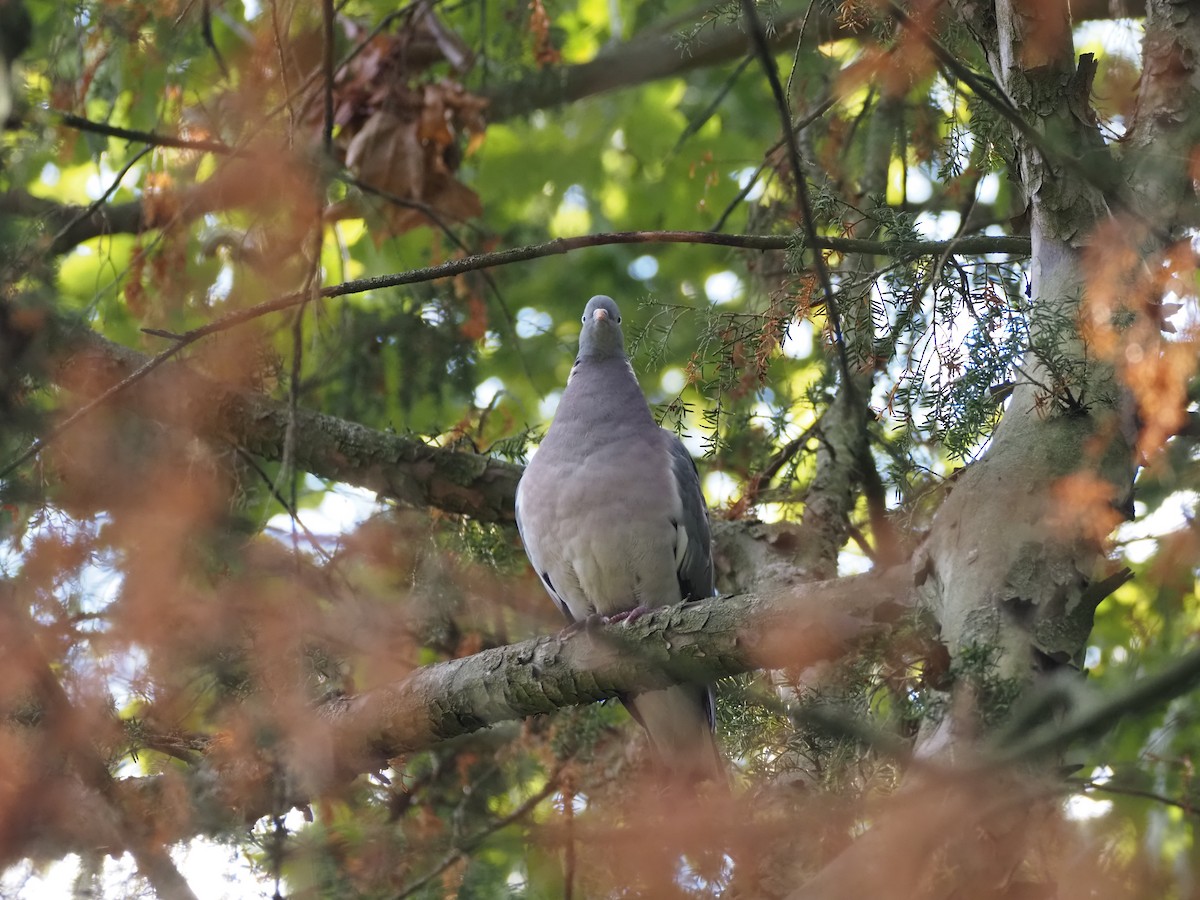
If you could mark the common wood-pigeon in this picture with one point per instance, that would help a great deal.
(612, 517)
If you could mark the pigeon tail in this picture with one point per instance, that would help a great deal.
(680, 728)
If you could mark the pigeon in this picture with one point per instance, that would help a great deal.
(612, 518)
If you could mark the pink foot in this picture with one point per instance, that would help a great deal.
(588, 624)
(628, 615)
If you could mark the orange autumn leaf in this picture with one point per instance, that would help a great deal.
(1082, 505)
(1158, 379)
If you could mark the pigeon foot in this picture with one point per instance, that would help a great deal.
(628, 615)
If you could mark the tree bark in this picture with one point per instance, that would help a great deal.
(658, 53)
(1014, 565)
(781, 624)
(396, 466)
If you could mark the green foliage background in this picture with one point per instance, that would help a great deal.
(667, 154)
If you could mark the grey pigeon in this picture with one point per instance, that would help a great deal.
(613, 520)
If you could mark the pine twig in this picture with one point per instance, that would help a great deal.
(759, 39)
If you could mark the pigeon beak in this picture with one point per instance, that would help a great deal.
(600, 315)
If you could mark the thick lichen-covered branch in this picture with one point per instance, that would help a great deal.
(398, 467)
(780, 625)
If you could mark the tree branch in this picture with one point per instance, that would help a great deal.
(662, 53)
(903, 249)
(71, 225)
(63, 738)
(758, 40)
(227, 191)
(468, 845)
(895, 249)
(780, 625)
(396, 466)
(154, 138)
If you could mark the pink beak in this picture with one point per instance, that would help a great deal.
(600, 313)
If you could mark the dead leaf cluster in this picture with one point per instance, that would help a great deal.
(402, 130)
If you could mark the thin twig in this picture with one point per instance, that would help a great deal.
(569, 848)
(759, 39)
(698, 121)
(1109, 788)
(823, 107)
(289, 508)
(560, 246)
(303, 89)
(778, 460)
(469, 844)
(432, 214)
(146, 137)
(311, 283)
(91, 208)
(99, 400)
(281, 53)
(1140, 697)
(327, 10)
(480, 261)
(906, 316)
(206, 34)
(796, 53)
(790, 449)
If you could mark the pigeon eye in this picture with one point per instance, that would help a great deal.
(583, 318)
(618, 320)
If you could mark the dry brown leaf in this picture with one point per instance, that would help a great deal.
(387, 154)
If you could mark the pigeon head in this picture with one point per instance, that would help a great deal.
(601, 336)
